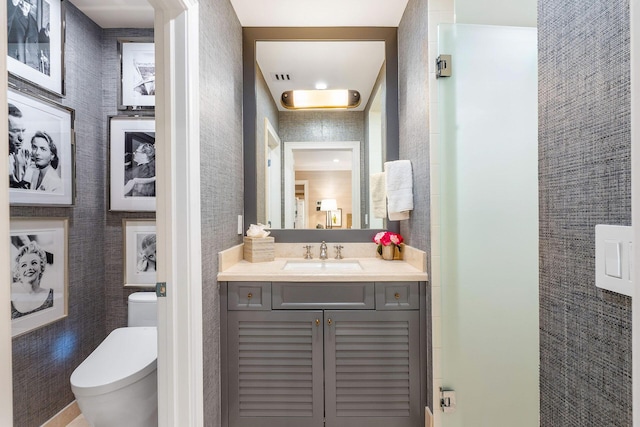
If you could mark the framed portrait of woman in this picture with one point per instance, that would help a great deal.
(139, 253)
(39, 272)
(41, 148)
(132, 163)
(35, 42)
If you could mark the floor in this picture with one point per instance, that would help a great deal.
(79, 422)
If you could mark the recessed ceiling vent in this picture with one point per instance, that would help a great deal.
(281, 77)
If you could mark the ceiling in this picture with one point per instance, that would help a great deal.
(260, 13)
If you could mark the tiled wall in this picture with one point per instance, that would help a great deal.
(222, 182)
(439, 12)
(585, 179)
(415, 139)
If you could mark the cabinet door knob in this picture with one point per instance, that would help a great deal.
(397, 295)
(317, 322)
(249, 295)
(329, 322)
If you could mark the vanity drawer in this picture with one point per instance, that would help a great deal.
(334, 295)
(397, 296)
(249, 296)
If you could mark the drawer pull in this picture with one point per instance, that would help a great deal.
(329, 322)
(317, 322)
(249, 295)
(397, 295)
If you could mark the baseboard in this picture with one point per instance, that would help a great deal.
(428, 417)
(65, 416)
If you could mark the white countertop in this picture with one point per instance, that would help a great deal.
(371, 269)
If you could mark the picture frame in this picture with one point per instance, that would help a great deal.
(136, 90)
(139, 253)
(41, 151)
(39, 260)
(336, 217)
(35, 42)
(132, 163)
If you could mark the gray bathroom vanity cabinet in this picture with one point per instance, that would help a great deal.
(314, 354)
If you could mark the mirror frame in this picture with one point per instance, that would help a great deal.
(252, 35)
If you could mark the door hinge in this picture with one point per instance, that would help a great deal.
(447, 400)
(443, 66)
(161, 289)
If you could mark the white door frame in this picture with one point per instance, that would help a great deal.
(273, 176)
(635, 202)
(180, 382)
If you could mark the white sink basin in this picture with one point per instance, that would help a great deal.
(322, 265)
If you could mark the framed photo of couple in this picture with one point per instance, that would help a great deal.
(41, 151)
(35, 42)
(139, 253)
(39, 275)
(132, 163)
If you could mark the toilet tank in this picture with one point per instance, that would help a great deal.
(143, 309)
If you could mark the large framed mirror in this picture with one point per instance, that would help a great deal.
(307, 172)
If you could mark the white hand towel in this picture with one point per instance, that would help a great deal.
(399, 185)
(378, 195)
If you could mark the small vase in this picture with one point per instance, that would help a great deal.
(388, 252)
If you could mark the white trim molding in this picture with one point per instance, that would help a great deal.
(180, 366)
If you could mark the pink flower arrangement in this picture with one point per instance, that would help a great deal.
(386, 238)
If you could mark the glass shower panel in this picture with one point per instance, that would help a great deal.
(489, 240)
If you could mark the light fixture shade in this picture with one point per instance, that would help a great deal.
(328, 204)
(311, 99)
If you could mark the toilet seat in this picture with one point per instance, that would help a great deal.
(127, 355)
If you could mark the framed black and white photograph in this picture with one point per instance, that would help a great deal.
(139, 253)
(39, 272)
(138, 75)
(35, 42)
(132, 163)
(41, 141)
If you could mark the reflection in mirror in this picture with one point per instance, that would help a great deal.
(305, 151)
(316, 172)
(273, 171)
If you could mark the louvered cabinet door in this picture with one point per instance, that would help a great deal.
(275, 369)
(372, 369)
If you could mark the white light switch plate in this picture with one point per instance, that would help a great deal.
(614, 257)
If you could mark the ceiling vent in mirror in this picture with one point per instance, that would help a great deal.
(281, 77)
(313, 99)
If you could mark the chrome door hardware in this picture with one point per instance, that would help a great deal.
(443, 66)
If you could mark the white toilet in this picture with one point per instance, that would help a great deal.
(117, 384)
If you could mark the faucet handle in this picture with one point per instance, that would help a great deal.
(338, 251)
(307, 254)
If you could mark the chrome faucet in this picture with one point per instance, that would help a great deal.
(323, 250)
(307, 254)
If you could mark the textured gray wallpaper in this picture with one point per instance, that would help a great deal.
(44, 359)
(221, 171)
(413, 88)
(115, 296)
(584, 169)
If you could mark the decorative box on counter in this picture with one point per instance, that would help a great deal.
(259, 249)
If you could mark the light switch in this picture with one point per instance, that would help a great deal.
(612, 259)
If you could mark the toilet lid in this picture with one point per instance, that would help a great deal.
(124, 357)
